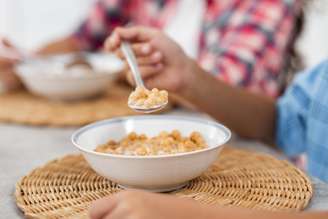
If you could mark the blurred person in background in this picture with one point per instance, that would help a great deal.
(296, 123)
(243, 43)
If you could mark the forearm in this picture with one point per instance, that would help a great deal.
(196, 210)
(239, 213)
(65, 45)
(249, 115)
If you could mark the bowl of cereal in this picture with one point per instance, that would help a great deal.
(69, 76)
(157, 153)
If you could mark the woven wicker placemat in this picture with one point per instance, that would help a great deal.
(64, 188)
(25, 108)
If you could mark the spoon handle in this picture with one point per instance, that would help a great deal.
(129, 55)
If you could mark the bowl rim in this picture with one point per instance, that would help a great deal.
(66, 77)
(77, 133)
(94, 75)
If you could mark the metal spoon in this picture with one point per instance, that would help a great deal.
(131, 59)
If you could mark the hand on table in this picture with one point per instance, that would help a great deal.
(144, 205)
(8, 78)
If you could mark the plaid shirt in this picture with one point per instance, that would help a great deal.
(303, 120)
(242, 42)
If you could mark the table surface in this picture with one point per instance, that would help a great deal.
(23, 148)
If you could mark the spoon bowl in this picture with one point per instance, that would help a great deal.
(147, 110)
(131, 59)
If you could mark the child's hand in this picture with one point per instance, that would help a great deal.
(162, 62)
(144, 205)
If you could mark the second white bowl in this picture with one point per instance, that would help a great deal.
(49, 78)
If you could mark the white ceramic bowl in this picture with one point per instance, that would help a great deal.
(48, 76)
(156, 173)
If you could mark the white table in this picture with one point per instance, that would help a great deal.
(23, 148)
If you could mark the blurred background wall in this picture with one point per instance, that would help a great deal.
(31, 23)
(314, 42)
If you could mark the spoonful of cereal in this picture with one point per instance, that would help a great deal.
(142, 99)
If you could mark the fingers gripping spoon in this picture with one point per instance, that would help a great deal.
(131, 59)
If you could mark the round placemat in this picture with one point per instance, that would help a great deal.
(64, 188)
(24, 108)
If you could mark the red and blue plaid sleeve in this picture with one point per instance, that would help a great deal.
(253, 37)
(102, 19)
